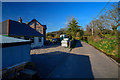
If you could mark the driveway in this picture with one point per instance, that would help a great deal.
(84, 61)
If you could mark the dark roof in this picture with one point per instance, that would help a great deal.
(21, 29)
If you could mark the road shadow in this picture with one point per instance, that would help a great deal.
(62, 65)
(78, 44)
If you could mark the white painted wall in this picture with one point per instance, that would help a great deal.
(37, 43)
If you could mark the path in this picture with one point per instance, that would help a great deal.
(84, 61)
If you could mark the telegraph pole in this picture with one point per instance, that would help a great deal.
(92, 28)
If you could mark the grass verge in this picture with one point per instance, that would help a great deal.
(108, 47)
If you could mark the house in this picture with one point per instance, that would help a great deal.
(38, 27)
(15, 54)
(21, 30)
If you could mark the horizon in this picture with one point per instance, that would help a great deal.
(53, 14)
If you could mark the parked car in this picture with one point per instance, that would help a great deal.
(54, 40)
(58, 39)
(47, 42)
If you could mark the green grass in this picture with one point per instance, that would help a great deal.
(108, 46)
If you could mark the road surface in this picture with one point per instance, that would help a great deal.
(84, 61)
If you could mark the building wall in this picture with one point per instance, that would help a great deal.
(37, 43)
(15, 55)
(38, 27)
(3, 27)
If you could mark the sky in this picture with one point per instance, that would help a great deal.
(59, 0)
(53, 14)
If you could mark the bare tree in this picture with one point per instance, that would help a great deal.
(111, 17)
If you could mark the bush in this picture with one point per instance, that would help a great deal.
(84, 38)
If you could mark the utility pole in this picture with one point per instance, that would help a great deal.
(92, 28)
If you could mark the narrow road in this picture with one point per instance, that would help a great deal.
(84, 61)
(102, 66)
(74, 66)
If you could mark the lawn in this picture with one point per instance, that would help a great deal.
(107, 45)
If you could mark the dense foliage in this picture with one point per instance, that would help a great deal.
(55, 34)
(106, 32)
(74, 29)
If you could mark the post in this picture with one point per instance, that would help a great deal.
(92, 28)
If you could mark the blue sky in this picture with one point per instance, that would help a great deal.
(53, 14)
(60, 0)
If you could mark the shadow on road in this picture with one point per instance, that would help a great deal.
(62, 65)
(78, 44)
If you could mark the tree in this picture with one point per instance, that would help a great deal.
(88, 30)
(50, 35)
(91, 28)
(99, 24)
(72, 28)
(112, 17)
(80, 33)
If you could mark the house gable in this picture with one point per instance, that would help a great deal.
(14, 28)
(36, 25)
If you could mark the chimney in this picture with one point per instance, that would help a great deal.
(20, 20)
